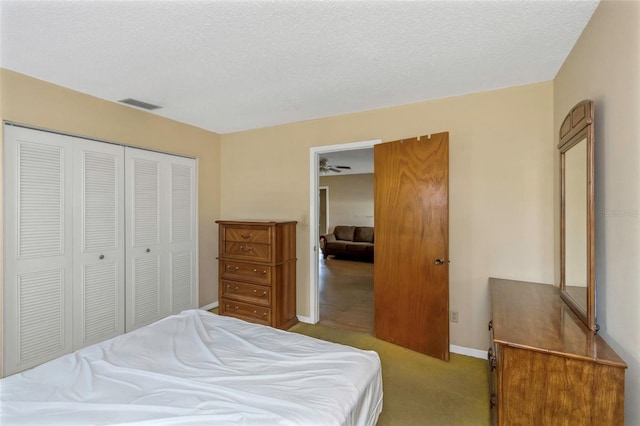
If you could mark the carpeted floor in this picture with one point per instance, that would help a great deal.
(420, 390)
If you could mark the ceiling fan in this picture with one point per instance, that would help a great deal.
(326, 168)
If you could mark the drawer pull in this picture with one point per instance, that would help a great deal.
(264, 314)
(246, 249)
(232, 268)
(245, 236)
(235, 289)
(229, 308)
(255, 271)
(264, 293)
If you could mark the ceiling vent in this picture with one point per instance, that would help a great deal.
(139, 104)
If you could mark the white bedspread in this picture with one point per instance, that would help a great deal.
(200, 368)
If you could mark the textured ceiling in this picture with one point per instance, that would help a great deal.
(227, 66)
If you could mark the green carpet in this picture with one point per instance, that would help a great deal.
(420, 390)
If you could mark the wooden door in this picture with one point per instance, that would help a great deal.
(411, 272)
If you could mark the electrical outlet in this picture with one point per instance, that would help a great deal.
(453, 316)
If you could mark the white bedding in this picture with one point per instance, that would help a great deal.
(200, 368)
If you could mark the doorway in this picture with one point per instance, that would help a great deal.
(397, 311)
(314, 217)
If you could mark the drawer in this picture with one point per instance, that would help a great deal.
(246, 311)
(247, 251)
(239, 271)
(248, 234)
(250, 293)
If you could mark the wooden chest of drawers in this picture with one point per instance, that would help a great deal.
(546, 367)
(257, 271)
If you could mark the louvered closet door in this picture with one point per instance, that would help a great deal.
(182, 242)
(146, 297)
(98, 283)
(161, 236)
(37, 289)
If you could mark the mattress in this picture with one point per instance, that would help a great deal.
(200, 368)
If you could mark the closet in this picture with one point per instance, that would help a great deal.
(99, 239)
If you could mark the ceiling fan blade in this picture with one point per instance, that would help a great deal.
(343, 167)
(333, 169)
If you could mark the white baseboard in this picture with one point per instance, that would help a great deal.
(476, 353)
(461, 350)
(209, 306)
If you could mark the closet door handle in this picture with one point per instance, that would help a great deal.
(148, 250)
(101, 257)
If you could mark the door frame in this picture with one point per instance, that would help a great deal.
(314, 158)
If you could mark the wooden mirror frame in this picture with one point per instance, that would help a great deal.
(577, 126)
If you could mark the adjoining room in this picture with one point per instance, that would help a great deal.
(346, 242)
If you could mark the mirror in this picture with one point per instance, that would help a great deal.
(577, 279)
(575, 223)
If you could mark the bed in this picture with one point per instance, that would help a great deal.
(200, 368)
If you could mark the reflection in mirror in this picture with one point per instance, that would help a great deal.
(576, 223)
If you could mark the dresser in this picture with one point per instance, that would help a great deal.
(257, 271)
(546, 367)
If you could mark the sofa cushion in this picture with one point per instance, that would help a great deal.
(336, 246)
(344, 233)
(357, 247)
(363, 234)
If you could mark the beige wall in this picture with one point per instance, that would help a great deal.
(604, 66)
(501, 186)
(33, 102)
(350, 199)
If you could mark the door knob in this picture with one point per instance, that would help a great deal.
(439, 261)
(148, 250)
(101, 256)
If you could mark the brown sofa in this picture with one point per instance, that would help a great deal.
(348, 241)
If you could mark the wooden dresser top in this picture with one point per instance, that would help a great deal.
(533, 316)
(254, 222)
